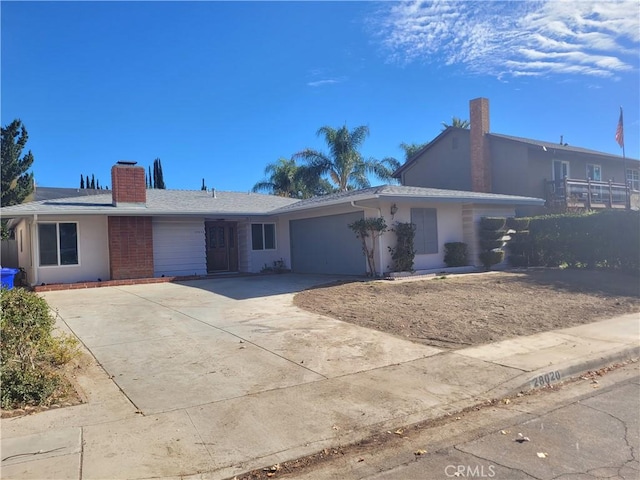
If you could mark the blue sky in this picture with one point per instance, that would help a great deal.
(220, 89)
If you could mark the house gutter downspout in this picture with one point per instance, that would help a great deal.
(34, 253)
(363, 207)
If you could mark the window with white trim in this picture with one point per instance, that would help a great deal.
(426, 237)
(594, 172)
(58, 243)
(633, 178)
(263, 236)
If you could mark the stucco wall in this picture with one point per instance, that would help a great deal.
(253, 261)
(442, 165)
(449, 221)
(23, 239)
(93, 253)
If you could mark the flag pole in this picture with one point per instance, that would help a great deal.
(620, 140)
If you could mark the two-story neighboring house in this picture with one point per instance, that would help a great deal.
(566, 176)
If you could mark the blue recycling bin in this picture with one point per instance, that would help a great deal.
(7, 275)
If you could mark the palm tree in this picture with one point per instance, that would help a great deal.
(410, 149)
(456, 122)
(344, 165)
(286, 179)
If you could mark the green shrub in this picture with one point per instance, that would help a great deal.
(30, 354)
(491, 235)
(607, 239)
(491, 244)
(403, 254)
(455, 254)
(491, 257)
(492, 223)
(518, 260)
(518, 224)
(492, 238)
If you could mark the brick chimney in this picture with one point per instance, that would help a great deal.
(480, 152)
(128, 184)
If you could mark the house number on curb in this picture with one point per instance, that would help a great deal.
(546, 379)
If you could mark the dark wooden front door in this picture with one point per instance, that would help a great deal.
(222, 246)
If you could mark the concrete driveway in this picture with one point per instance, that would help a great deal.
(226, 375)
(178, 345)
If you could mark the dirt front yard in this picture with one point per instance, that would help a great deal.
(455, 311)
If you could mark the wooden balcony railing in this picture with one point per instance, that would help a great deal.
(589, 194)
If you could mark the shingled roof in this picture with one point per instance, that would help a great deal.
(159, 202)
(202, 203)
(401, 192)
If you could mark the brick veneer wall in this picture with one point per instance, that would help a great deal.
(480, 151)
(128, 184)
(130, 247)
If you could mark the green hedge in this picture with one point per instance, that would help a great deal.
(455, 254)
(605, 239)
(492, 223)
(518, 224)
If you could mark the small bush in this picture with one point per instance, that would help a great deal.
(455, 254)
(30, 355)
(491, 257)
(403, 254)
(492, 238)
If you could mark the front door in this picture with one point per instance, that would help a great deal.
(222, 250)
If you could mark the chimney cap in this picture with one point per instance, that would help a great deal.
(126, 162)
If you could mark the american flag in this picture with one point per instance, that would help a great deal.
(620, 131)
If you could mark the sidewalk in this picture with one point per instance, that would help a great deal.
(106, 438)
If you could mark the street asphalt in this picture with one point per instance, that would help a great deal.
(587, 430)
(213, 378)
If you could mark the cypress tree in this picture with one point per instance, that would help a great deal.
(158, 178)
(93, 181)
(97, 184)
(81, 182)
(204, 187)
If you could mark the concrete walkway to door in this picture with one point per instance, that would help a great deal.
(220, 376)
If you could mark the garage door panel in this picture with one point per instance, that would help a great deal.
(326, 245)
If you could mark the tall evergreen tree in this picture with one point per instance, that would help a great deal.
(93, 181)
(87, 184)
(16, 183)
(97, 184)
(204, 187)
(81, 182)
(149, 179)
(158, 177)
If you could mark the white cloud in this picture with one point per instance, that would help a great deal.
(319, 83)
(529, 38)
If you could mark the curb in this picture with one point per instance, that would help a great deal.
(522, 383)
(562, 372)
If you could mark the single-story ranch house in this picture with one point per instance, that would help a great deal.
(132, 232)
